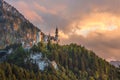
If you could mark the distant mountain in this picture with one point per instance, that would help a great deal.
(115, 63)
(14, 27)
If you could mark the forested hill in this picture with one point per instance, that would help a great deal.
(74, 62)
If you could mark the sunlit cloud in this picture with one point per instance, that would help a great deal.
(63, 35)
(96, 22)
(43, 9)
(30, 14)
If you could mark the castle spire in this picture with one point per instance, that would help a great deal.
(56, 35)
(56, 32)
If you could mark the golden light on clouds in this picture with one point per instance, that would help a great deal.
(43, 9)
(63, 35)
(96, 22)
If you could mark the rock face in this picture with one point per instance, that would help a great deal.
(40, 61)
(14, 27)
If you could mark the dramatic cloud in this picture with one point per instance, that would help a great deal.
(92, 23)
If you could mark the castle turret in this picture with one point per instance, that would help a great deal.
(38, 37)
(56, 34)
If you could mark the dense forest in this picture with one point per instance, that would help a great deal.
(74, 62)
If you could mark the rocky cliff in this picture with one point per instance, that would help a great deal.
(14, 27)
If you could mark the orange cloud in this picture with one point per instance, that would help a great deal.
(28, 12)
(96, 22)
(62, 35)
(43, 9)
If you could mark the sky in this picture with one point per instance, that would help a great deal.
(92, 23)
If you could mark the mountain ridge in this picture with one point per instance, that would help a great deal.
(14, 26)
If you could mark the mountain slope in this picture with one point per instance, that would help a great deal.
(13, 72)
(74, 62)
(14, 27)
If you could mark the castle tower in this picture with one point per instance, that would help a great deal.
(38, 37)
(56, 34)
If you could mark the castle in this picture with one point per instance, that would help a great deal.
(40, 36)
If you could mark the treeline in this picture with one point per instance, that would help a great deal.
(13, 72)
